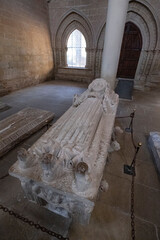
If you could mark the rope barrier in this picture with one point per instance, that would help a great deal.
(130, 127)
(127, 169)
(130, 170)
(4, 176)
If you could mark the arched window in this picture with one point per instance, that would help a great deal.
(76, 50)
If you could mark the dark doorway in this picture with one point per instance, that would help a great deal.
(130, 51)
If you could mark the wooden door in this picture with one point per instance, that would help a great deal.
(130, 51)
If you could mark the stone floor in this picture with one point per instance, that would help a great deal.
(110, 219)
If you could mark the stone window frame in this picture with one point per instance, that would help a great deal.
(73, 47)
(66, 48)
(68, 24)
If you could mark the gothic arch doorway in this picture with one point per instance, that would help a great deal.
(130, 51)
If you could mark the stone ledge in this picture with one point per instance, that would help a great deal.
(21, 125)
(154, 144)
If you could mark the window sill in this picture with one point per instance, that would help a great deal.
(76, 68)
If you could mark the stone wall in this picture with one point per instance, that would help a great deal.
(146, 15)
(94, 11)
(89, 17)
(26, 56)
(143, 13)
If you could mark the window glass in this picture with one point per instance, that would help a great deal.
(76, 50)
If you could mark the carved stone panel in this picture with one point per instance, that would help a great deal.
(21, 125)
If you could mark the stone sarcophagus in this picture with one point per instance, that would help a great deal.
(63, 170)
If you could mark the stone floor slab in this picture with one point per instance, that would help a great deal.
(21, 125)
(4, 107)
(111, 218)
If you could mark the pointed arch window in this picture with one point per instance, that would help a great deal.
(76, 50)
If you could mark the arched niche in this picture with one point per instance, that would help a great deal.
(148, 65)
(140, 15)
(130, 51)
(69, 23)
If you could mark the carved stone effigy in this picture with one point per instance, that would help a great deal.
(63, 170)
(21, 125)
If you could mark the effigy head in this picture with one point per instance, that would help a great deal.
(82, 168)
(98, 85)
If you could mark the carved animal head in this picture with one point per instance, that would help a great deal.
(82, 167)
(22, 154)
(104, 186)
(118, 129)
(115, 146)
(46, 161)
(47, 157)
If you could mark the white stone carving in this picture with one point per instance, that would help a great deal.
(67, 162)
(74, 20)
(154, 143)
(118, 129)
(114, 146)
(104, 186)
(24, 159)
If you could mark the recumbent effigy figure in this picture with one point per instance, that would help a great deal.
(67, 162)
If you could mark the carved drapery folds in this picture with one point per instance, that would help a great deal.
(67, 162)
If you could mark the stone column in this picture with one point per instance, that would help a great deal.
(116, 18)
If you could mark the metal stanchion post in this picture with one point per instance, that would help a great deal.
(129, 129)
(130, 169)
